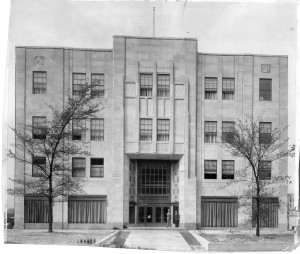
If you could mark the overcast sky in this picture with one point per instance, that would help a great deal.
(264, 28)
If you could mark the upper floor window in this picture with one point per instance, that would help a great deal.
(265, 89)
(211, 88)
(97, 167)
(163, 129)
(227, 169)
(210, 132)
(39, 82)
(79, 79)
(264, 170)
(145, 129)
(38, 166)
(163, 85)
(146, 84)
(210, 169)
(38, 127)
(78, 167)
(265, 133)
(98, 84)
(228, 88)
(97, 129)
(227, 135)
(78, 130)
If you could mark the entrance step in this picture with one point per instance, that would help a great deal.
(154, 228)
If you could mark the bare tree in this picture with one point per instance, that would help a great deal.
(47, 146)
(259, 145)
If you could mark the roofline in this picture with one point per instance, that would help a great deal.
(66, 48)
(246, 54)
(155, 38)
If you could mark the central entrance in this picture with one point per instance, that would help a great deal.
(153, 216)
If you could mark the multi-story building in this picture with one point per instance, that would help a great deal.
(154, 145)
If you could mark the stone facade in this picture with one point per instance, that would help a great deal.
(186, 109)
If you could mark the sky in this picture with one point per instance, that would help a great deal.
(237, 28)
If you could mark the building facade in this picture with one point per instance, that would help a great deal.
(154, 145)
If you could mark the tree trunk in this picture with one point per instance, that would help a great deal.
(50, 216)
(257, 216)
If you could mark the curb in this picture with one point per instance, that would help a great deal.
(107, 239)
(200, 239)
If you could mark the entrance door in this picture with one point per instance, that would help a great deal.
(152, 216)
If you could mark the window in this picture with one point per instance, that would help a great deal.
(87, 209)
(264, 170)
(268, 212)
(78, 167)
(211, 88)
(210, 169)
(228, 89)
(219, 212)
(146, 83)
(227, 135)
(98, 85)
(265, 89)
(210, 129)
(36, 209)
(97, 129)
(145, 129)
(39, 127)
(39, 82)
(97, 167)
(38, 166)
(78, 131)
(163, 129)
(79, 79)
(227, 169)
(265, 133)
(163, 85)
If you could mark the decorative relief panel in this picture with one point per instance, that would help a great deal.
(130, 89)
(39, 61)
(132, 181)
(175, 184)
(266, 68)
(179, 91)
(145, 147)
(163, 148)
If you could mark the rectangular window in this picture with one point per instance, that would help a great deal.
(146, 84)
(78, 131)
(79, 79)
(219, 212)
(39, 127)
(163, 85)
(38, 166)
(268, 212)
(78, 167)
(98, 84)
(36, 209)
(87, 209)
(97, 167)
(227, 134)
(265, 133)
(97, 129)
(210, 132)
(228, 89)
(39, 82)
(265, 89)
(227, 169)
(210, 169)
(145, 129)
(211, 88)
(163, 129)
(264, 170)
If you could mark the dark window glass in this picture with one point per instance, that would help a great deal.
(78, 167)
(78, 131)
(264, 170)
(265, 133)
(39, 127)
(265, 89)
(39, 82)
(97, 129)
(163, 85)
(211, 88)
(145, 129)
(98, 84)
(228, 88)
(210, 132)
(163, 129)
(210, 169)
(227, 135)
(227, 169)
(38, 166)
(97, 167)
(79, 79)
(146, 84)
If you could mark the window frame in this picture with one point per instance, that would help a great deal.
(35, 129)
(34, 89)
(230, 92)
(210, 136)
(147, 132)
(265, 173)
(82, 130)
(36, 170)
(163, 91)
(76, 91)
(101, 130)
(101, 168)
(79, 168)
(263, 92)
(163, 130)
(227, 136)
(227, 176)
(265, 137)
(207, 175)
(210, 93)
(101, 91)
(148, 88)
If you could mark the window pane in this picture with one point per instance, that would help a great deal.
(39, 82)
(146, 83)
(210, 132)
(38, 166)
(78, 132)
(97, 167)
(39, 127)
(145, 129)
(163, 85)
(265, 89)
(79, 79)
(97, 129)
(265, 133)
(210, 169)
(98, 84)
(78, 167)
(227, 169)
(264, 170)
(163, 129)
(36, 209)
(227, 135)
(228, 88)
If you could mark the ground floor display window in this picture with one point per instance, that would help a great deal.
(219, 212)
(87, 209)
(268, 212)
(36, 209)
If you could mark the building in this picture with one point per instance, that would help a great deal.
(154, 147)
